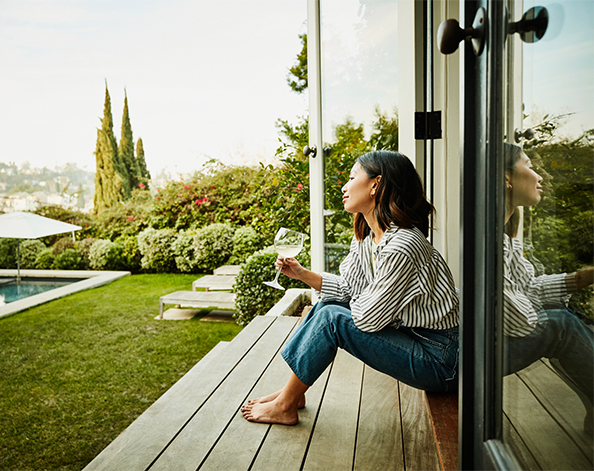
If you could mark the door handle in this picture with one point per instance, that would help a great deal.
(450, 34)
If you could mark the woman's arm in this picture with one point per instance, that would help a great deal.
(579, 280)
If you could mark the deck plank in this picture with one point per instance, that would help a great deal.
(379, 437)
(560, 401)
(146, 437)
(197, 438)
(226, 455)
(543, 436)
(420, 451)
(292, 442)
(333, 441)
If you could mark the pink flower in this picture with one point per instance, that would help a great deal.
(212, 187)
(142, 186)
(299, 186)
(158, 197)
(198, 202)
(130, 218)
(186, 187)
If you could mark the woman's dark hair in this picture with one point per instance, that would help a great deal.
(399, 198)
(512, 154)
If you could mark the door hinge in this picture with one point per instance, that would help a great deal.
(427, 125)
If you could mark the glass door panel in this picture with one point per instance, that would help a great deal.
(359, 97)
(547, 348)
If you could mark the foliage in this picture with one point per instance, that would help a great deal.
(8, 253)
(128, 254)
(246, 241)
(145, 175)
(29, 250)
(69, 259)
(183, 249)
(109, 186)
(559, 231)
(45, 259)
(62, 244)
(297, 78)
(87, 222)
(127, 218)
(84, 247)
(218, 193)
(102, 255)
(213, 245)
(252, 297)
(126, 148)
(77, 371)
(156, 248)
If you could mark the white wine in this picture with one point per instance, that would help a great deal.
(288, 250)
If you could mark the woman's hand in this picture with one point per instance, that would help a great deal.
(289, 267)
(293, 269)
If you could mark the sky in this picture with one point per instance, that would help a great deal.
(204, 79)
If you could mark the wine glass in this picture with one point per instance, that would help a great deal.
(288, 243)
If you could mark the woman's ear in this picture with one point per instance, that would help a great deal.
(508, 179)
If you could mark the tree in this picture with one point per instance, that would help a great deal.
(145, 176)
(112, 149)
(126, 149)
(108, 183)
(297, 78)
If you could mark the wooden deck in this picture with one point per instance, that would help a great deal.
(355, 417)
(543, 420)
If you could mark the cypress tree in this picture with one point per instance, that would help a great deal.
(126, 149)
(108, 183)
(144, 173)
(118, 164)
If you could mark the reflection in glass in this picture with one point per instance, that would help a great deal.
(547, 401)
(359, 96)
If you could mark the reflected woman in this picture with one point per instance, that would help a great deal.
(537, 322)
(394, 305)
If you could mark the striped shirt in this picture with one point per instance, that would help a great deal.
(412, 285)
(525, 295)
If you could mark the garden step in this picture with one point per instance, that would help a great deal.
(214, 282)
(232, 270)
(221, 300)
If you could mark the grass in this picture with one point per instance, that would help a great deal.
(75, 372)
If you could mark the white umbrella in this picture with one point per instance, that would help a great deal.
(20, 225)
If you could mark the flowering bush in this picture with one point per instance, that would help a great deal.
(8, 252)
(84, 247)
(29, 250)
(156, 248)
(246, 241)
(127, 254)
(183, 249)
(213, 245)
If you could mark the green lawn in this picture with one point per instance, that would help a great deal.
(75, 372)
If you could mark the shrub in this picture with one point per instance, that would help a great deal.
(29, 250)
(246, 241)
(69, 259)
(183, 248)
(127, 254)
(84, 247)
(8, 252)
(45, 259)
(102, 255)
(213, 245)
(156, 249)
(62, 244)
(252, 297)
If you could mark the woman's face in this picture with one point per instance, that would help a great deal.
(525, 183)
(357, 191)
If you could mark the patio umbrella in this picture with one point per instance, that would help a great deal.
(20, 225)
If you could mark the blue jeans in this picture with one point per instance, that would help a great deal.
(566, 341)
(423, 358)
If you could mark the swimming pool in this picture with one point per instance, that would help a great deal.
(11, 291)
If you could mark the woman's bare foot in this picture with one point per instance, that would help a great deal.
(271, 412)
(272, 397)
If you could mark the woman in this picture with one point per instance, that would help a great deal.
(394, 305)
(537, 322)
